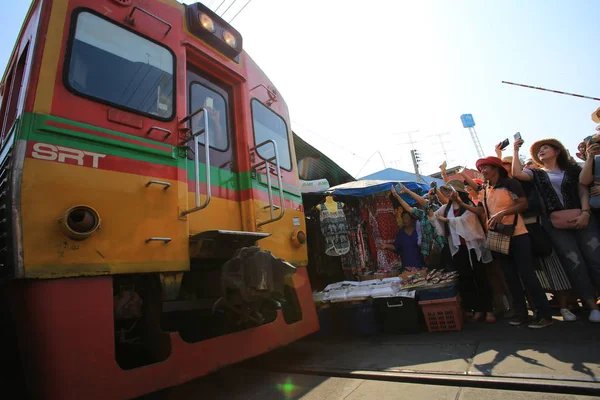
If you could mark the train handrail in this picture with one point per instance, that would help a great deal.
(267, 163)
(196, 137)
(131, 20)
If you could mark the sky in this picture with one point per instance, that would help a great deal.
(357, 76)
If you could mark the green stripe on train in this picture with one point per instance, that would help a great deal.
(35, 128)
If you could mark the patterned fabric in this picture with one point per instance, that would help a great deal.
(569, 190)
(551, 273)
(382, 230)
(358, 259)
(335, 230)
(429, 235)
(498, 242)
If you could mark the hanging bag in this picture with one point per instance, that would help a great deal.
(498, 239)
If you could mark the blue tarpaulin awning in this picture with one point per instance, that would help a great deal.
(370, 187)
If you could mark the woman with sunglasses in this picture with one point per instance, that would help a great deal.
(567, 218)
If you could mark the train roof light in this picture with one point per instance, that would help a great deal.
(209, 27)
(207, 22)
(229, 38)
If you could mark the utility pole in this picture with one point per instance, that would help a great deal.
(416, 158)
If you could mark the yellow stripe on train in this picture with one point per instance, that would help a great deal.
(138, 214)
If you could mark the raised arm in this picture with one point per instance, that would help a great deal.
(470, 207)
(498, 150)
(469, 181)
(586, 176)
(420, 200)
(443, 199)
(517, 168)
(404, 204)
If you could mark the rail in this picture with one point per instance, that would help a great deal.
(158, 128)
(131, 20)
(166, 185)
(196, 136)
(159, 239)
(267, 163)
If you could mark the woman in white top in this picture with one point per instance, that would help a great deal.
(466, 242)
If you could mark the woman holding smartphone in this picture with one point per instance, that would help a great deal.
(466, 243)
(567, 217)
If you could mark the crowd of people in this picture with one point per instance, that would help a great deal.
(535, 222)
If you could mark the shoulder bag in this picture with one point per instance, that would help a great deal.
(498, 238)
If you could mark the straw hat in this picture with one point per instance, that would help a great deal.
(455, 184)
(535, 148)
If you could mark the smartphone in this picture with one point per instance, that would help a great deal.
(517, 135)
(398, 188)
(504, 144)
(588, 138)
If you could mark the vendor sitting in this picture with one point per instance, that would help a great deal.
(406, 244)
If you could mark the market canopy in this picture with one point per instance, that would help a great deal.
(370, 187)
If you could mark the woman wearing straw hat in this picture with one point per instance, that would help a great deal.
(567, 218)
(502, 201)
(466, 242)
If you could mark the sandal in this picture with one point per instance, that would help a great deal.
(490, 318)
(477, 317)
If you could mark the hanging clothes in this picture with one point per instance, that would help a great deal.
(335, 230)
(358, 259)
(383, 229)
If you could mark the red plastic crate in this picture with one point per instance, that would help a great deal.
(443, 315)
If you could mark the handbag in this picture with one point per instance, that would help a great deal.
(498, 238)
(561, 219)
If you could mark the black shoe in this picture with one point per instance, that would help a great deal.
(517, 321)
(541, 323)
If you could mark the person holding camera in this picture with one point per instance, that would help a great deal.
(466, 247)
(567, 218)
(502, 201)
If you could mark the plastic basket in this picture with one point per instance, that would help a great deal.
(443, 315)
(438, 293)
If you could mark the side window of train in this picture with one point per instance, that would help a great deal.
(215, 104)
(11, 94)
(270, 126)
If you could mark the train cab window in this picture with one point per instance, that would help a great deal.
(214, 103)
(270, 126)
(114, 65)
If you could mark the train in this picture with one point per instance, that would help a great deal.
(151, 220)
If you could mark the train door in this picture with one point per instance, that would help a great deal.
(219, 200)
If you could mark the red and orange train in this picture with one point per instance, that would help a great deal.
(151, 222)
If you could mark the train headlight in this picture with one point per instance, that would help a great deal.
(79, 222)
(207, 22)
(298, 238)
(229, 39)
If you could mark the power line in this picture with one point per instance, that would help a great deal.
(553, 91)
(328, 140)
(217, 9)
(242, 9)
(225, 12)
(365, 164)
